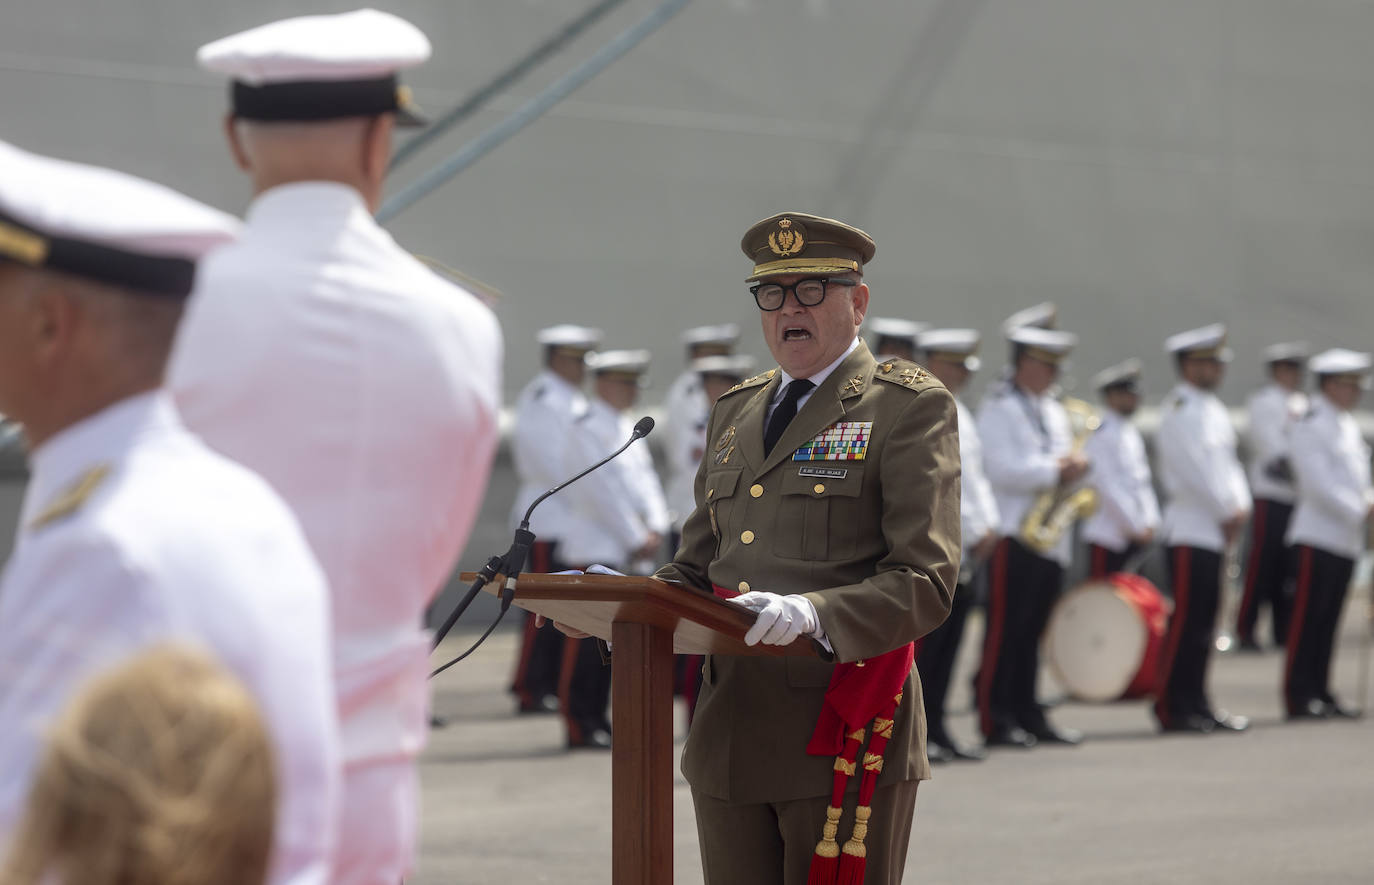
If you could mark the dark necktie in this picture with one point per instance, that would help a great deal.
(784, 413)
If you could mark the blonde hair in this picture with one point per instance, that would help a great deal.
(159, 771)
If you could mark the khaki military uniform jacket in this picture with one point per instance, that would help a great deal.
(874, 543)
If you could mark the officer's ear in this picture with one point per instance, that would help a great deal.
(377, 147)
(860, 296)
(236, 149)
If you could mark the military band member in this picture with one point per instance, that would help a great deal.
(828, 499)
(1044, 315)
(1127, 514)
(365, 388)
(951, 355)
(685, 410)
(1335, 502)
(893, 338)
(1028, 451)
(133, 532)
(619, 519)
(1208, 503)
(544, 413)
(1272, 412)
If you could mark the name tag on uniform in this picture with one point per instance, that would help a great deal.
(824, 472)
(841, 441)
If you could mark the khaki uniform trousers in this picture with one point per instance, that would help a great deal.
(772, 843)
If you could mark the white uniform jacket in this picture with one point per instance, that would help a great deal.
(1127, 506)
(544, 415)
(685, 414)
(366, 390)
(1198, 469)
(1272, 411)
(1024, 437)
(1331, 463)
(135, 533)
(978, 513)
(615, 507)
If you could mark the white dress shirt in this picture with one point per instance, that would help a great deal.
(366, 390)
(1331, 463)
(1024, 436)
(685, 415)
(978, 513)
(1199, 469)
(1127, 506)
(816, 381)
(1272, 411)
(544, 415)
(174, 543)
(617, 506)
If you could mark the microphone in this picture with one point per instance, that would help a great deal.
(513, 561)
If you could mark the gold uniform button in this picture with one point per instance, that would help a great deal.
(756, 491)
(818, 488)
(744, 586)
(747, 536)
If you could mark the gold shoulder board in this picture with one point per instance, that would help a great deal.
(905, 373)
(70, 499)
(752, 382)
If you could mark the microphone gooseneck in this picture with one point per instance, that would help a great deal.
(513, 561)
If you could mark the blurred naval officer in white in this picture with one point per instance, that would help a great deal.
(1127, 514)
(359, 383)
(893, 337)
(1335, 502)
(951, 355)
(544, 412)
(620, 519)
(685, 410)
(133, 531)
(1044, 315)
(1272, 411)
(718, 375)
(1208, 503)
(1027, 450)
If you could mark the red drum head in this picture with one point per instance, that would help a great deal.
(1096, 641)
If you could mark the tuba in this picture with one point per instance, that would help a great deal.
(1054, 511)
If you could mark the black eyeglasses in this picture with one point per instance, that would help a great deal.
(809, 292)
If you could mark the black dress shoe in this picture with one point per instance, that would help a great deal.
(939, 754)
(968, 753)
(1190, 723)
(592, 739)
(1048, 734)
(1013, 736)
(1229, 721)
(544, 704)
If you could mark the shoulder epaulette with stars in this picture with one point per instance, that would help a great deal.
(70, 499)
(763, 378)
(905, 373)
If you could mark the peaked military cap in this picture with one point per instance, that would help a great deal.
(1046, 345)
(1339, 361)
(1287, 352)
(726, 333)
(736, 366)
(103, 225)
(953, 345)
(1042, 316)
(797, 243)
(320, 67)
(1124, 374)
(1204, 342)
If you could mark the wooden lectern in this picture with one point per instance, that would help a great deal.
(647, 622)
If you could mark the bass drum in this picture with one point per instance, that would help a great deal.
(1105, 638)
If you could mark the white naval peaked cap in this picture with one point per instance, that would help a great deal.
(1042, 316)
(892, 327)
(566, 335)
(320, 67)
(104, 225)
(1287, 352)
(739, 365)
(1205, 342)
(1124, 374)
(726, 333)
(628, 362)
(1340, 361)
(953, 345)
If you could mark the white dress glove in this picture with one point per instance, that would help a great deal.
(780, 620)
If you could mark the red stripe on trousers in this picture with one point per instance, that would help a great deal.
(997, 613)
(565, 679)
(1181, 569)
(1247, 599)
(1295, 626)
(539, 562)
(1099, 561)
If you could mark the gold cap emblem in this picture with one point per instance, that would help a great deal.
(789, 239)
